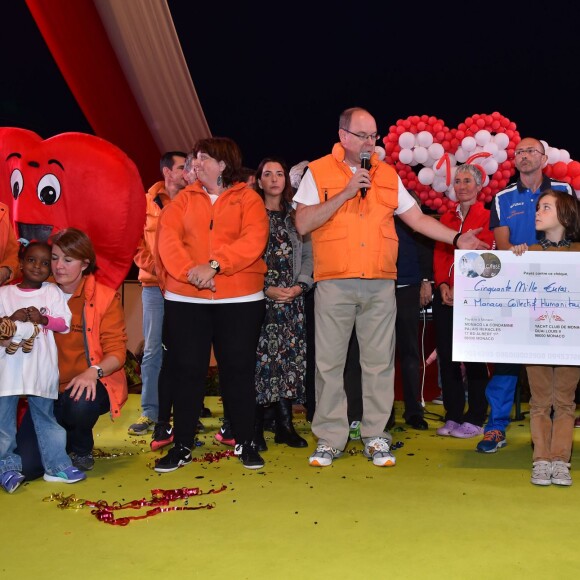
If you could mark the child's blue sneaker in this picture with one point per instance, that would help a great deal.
(69, 475)
(10, 480)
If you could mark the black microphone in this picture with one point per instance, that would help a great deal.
(365, 163)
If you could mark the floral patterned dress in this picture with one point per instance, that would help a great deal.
(281, 354)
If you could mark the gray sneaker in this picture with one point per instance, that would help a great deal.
(143, 426)
(82, 462)
(378, 450)
(323, 456)
(561, 473)
(541, 473)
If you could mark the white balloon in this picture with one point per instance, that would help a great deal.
(429, 161)
(461, 155)
(468, 144)
(380, 151)
(482, 137)
(545, 144)
(486, 181)
(439, 184)
(553, 155)
(436, 150)
(500, 156)
(501, 140)
(406, 140)
(441, 170)
(490, 148)
(452, 159)
(426, 176)
(424, 139)
(450, 193)
(564, 156)
(405, 156)
(490, 165)
(413, 163)
(420, 154)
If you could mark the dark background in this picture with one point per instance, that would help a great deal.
(275, 77)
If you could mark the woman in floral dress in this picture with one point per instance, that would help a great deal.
(281, 353)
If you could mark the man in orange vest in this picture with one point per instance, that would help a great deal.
(348, 202)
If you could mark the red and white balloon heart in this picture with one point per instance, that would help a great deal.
(425, 153)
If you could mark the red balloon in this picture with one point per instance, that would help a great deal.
(576, 183)
(560, 169)
(573, 169)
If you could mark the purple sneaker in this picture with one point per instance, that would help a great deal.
(447, 428)
(466, 430)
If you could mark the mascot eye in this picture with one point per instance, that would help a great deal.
(49, 189)
(16, 183)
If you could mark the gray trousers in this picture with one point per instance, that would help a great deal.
(370, 306)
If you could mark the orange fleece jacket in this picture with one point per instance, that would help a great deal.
(145, 255)
(234, 231)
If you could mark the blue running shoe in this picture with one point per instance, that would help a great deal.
(69, 475)
(492, 441)
(10, 480)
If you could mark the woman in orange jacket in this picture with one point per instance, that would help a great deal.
(210, 242)
(90, 357)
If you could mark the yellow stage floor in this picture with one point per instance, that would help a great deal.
(444, 511)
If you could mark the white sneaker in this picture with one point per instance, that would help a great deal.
(323, 456)
(378, 450)
(561, 473)
(541, 473)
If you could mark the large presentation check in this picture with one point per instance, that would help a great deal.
(521, 309)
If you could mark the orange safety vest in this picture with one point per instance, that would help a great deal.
(359, 240)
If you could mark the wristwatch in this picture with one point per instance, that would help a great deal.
(304, 287)
(215, 265)
(99, 371)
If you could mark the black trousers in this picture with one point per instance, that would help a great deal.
(451, 379)
(189, 331)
